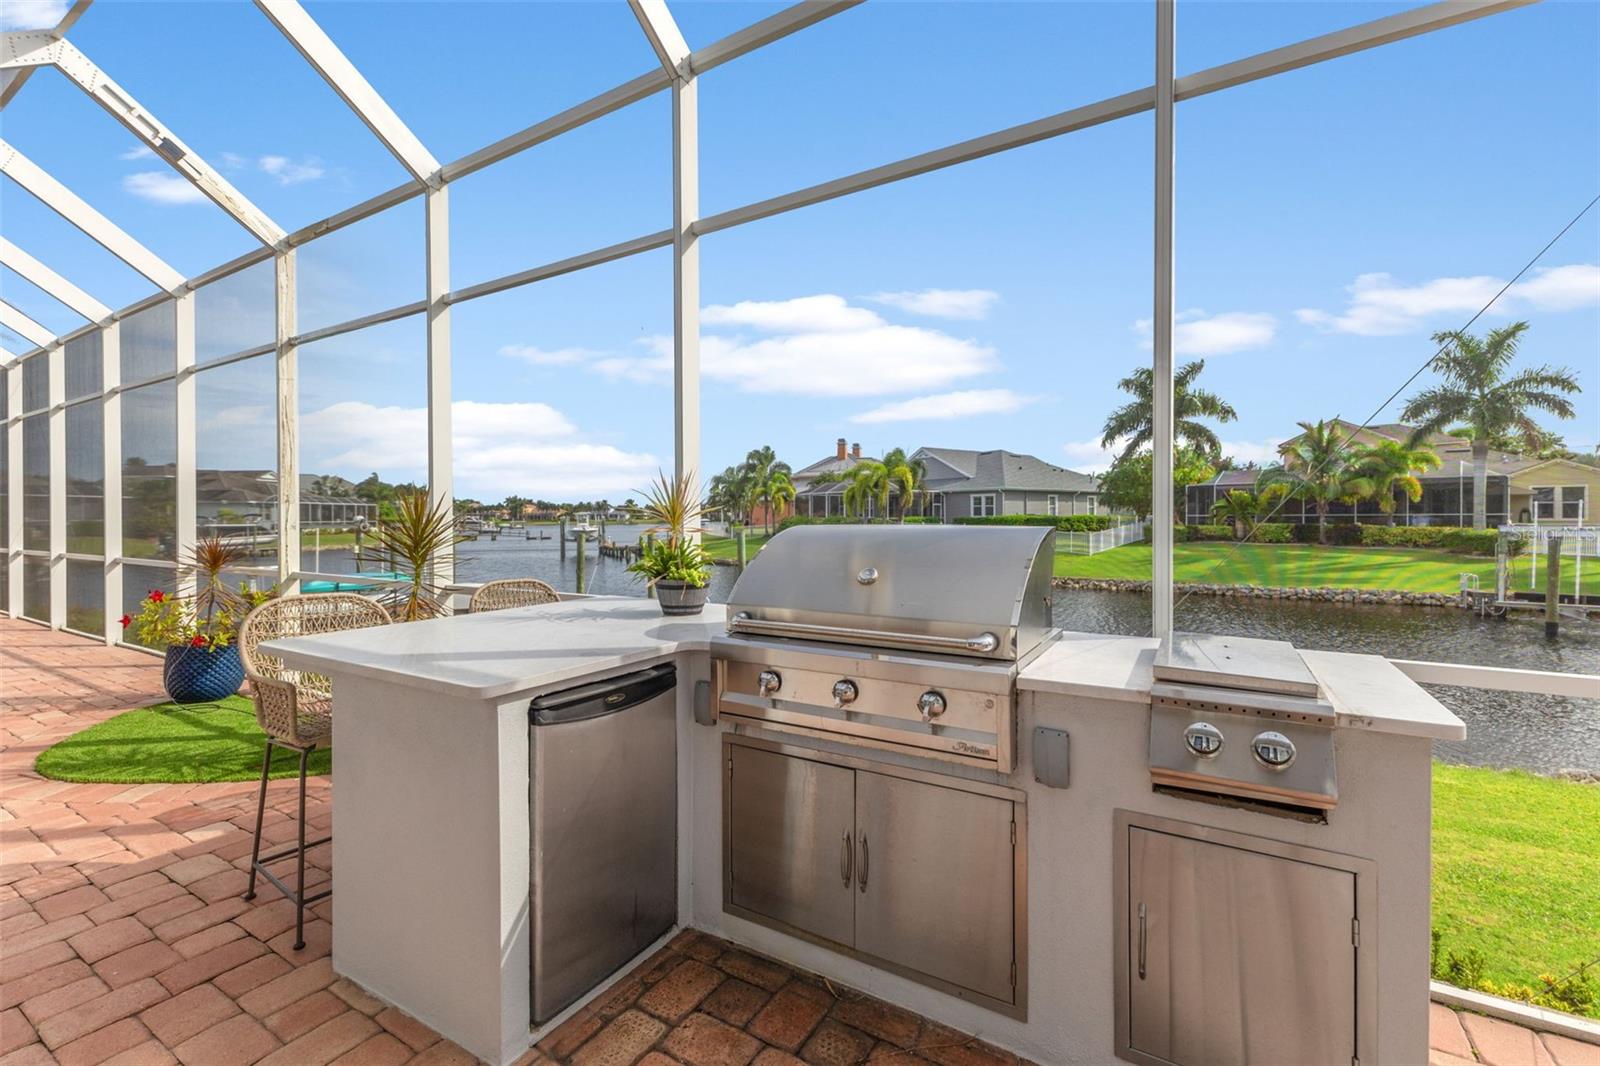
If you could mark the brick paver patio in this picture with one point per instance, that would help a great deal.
(123, 938)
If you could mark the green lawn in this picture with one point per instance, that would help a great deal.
(174, 743)
(728, 547)
(1291, 565)
(1516, 871)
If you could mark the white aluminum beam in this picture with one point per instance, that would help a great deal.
(111, 421)
(772, 28)
(288, 423)
(11, 381)
(6, 356)
(64, 202)
(120, 105)
(1501, 678)
(686, 279)
(1161, 505)
(609, 253)
(56, 427)
(661, 29)
(24, 326)
(343, 77)
(441, 454)
(11, 81)
(51, 282)
(185, 509)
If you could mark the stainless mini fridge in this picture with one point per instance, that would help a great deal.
(603, 801)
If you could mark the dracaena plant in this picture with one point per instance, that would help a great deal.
(208, 619)
(674, 506)
(414, 537)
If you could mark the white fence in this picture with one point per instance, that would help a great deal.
(1100, 540)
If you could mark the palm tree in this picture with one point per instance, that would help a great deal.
(869, 483)
(1133, 422)
(1392, 465)
(1316, 466)
(760, 466)
(1477, 392)
(1244, 510)
(777, 492)
(905, 474)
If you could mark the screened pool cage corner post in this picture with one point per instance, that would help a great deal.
(13, 431)
(57, 425)
(184, 468)
(1161, 413)
(685, 278)
(441, 453)
(287, 360)
(111, 422)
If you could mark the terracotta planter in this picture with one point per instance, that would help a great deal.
(680, 597)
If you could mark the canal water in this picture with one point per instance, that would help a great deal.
(1540, 733)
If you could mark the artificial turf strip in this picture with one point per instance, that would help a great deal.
(1516, 871)
(172, 743)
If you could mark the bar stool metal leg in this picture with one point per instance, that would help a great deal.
(261, 811)
(300, 886)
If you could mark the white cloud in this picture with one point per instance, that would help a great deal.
(947, 405)
(1196, 333)
(824, 347)
(138, 151)
(31, 14)
(239, 417)
(160, 187)
(232, 161)
(823, 313)
(1379, 305)
(941, 303)
(1260, 452)
(288, 172)
(528, 448)
(1089, 457)
(530, 353)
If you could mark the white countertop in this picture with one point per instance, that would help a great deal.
(498, 653)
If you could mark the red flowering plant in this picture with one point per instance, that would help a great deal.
(211, 617)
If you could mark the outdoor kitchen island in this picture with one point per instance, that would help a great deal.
(1057, 892)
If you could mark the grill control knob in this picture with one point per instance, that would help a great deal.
(931, 705)
(1273, 750)
(768, 682)
(844, 691)
(1203, 739)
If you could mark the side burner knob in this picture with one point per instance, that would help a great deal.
(931, 705)
(844, 691)
(768, 682)
(1203, 739)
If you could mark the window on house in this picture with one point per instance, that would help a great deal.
(1052, 505)
(983, 505)
(1543, 499)
(1572, 502)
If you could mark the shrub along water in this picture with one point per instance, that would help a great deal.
(1456, 539)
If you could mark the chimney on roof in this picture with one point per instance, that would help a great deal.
(841, 453)
(855, 450)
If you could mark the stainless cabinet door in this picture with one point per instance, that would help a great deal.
(934, 877)
(791, 823)
(1239, 957)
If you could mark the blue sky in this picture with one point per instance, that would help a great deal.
(1329, 220)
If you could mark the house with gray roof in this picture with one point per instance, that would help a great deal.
(961, 482)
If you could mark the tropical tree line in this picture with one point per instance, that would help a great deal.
(762, 480)
(1478, 396)
(892, 486)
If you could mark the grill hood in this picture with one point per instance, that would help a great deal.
(981, 591)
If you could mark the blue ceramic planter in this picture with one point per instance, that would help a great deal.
(200, 675)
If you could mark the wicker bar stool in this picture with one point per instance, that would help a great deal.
(295, 710)
(511, 592)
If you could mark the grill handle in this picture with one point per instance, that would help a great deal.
(743, 623)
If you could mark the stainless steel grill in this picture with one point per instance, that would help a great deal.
(903, 638)
(1241, 718)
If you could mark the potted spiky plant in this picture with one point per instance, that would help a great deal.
(202, 661)
(413, 538)
(675, 566)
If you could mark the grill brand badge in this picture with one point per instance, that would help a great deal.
(867, 576)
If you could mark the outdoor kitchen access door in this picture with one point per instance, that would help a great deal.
(913, 872)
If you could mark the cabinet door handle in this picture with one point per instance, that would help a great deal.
(1142, 940)
(863, 863)
(847, 861)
